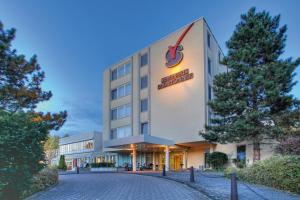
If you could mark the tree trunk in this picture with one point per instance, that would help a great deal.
(256, 152)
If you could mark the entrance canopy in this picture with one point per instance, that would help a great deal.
(142, 142)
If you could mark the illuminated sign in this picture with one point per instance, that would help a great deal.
(173, 79)
(174, 54)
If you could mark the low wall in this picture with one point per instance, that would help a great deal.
(104, 169)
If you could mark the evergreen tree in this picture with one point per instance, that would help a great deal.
(62, 163)
(252, 100)
(23, 131)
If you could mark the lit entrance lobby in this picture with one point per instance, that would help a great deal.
(147, 152)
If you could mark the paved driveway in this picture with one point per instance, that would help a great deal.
(116, 186)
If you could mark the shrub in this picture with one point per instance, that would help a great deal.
(102, 164)
(62, 163)
(281, 172)
(217, 159)
(44, 179)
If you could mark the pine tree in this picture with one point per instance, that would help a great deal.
(23, 131)
(252, 100)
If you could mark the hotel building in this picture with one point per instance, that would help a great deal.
(155, 103)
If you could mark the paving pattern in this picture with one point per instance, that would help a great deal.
(117, 186)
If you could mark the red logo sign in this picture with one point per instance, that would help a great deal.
(174, 54)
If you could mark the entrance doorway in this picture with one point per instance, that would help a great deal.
(176, 161)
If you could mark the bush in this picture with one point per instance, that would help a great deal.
(281, 172)
(44, 179)
(102, 164)
(62, 163)
(217, 160)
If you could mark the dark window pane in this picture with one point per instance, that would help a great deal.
(114, 114)
(209, 65)
(144, 105)
(144, 128)
(209, 92)
(144, 59)
(113, 134)
(114, 75)
(208, 39)
(144, 82)
(114, 94)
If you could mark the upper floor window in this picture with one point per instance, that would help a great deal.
(121, 91)
(120, 132)
(144, 105)
(208, 39)
(209, 66)
(219, 57)
(121, 70)
(209, 92)
(144, 128)
(144, 82)
(144, 59)
(121, 112)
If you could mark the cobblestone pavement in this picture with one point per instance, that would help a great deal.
(117, 186)
(218, 188)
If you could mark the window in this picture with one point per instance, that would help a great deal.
(209, 92)
(144, 82)
(144, 105)
(144, 128)
(121, 112)
(121, 132)
(241, 156)
(121, 91)
(114, 94)
(208, 39)
(219, 57)
(144, 59)
(121, 70)
(114, 74)
(114, 114)
(209, 66)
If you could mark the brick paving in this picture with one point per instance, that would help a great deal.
(117, 186)
(218, 188)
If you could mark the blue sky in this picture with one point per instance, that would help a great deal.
(75, 40)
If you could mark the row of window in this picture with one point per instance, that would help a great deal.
(125, 69)
(126, 131)
(121, 112)
(121, 91)
(76, 147)
(121, 71)
(125, 110)
(125, 89)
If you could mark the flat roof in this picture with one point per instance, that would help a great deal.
(78, 137)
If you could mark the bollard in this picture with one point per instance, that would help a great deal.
(234, 192)
(192, 177)
(164, 170)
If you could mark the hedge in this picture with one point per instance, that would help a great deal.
(102, 164)
(217, 159)
(44, 179)
(281, 172)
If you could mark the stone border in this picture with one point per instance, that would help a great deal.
(41, 191)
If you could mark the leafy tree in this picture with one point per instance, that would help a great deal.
(62, 163)
(252, 100)
(23, 131)
(217, 159)
(51, 148)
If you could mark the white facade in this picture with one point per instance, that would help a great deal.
(163, 108)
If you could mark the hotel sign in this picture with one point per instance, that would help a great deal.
(173, 79)
(174, 54)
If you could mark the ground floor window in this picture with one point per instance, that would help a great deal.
(241, 156)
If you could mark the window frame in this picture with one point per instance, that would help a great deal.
(141, 81)
(146, 57)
